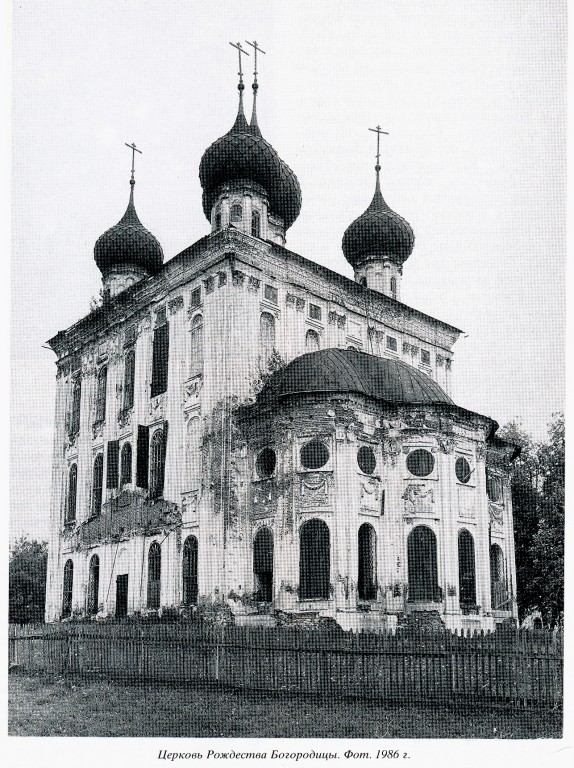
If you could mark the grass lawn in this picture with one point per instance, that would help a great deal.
(50, 706)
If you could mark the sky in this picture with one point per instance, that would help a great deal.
(472, 94)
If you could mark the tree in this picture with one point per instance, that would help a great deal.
(27, 581)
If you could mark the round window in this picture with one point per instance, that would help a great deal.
(493, 488)
(462, 469)
(314, 455)
(266, 461)
(420, 463)
(366, 460)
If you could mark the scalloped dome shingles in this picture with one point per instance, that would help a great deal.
(128, 243)
(379, 232)
(348, 370)
(243, 153)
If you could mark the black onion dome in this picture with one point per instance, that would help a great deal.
(128, 244)
(243, 153)
(349, 370)
(378, 232)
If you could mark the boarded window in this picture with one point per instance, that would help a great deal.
(494, 487)
(394, 287)
(255, 224)
(196, 345)
(67, 589)
(314, 561)
(367, 581)
(266, 336)
(425, 357)
(314, 312)
(94, 585)
(466, 569)
(263, 565)
(498, 588)
(129, 378)
(236, 214)
(422, 565)
(157, 462)
(101, 395)
(72, 494)
(97, 485)
(271, 294)
(160, 360)
(391, 343)
(142, 468)
(76, 402)
(190, 586)
(126, 464)
(312, 341)
(195, 300)
(154, 576)
(112, 473)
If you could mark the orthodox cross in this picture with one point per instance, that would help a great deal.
(378, 131)
(134, 149)
(240, 50)
(256, 48)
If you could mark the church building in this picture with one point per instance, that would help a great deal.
(239, 425)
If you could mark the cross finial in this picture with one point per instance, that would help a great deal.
(378, 131)
(240, 73)
(134, 149)
(255, 48)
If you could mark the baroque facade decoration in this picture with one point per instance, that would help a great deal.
(240, 424)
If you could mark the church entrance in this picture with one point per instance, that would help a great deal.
(263, 565)
(122, 595)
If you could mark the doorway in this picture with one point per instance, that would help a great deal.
(122, 595)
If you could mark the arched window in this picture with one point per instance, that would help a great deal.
(312, 341)
(263, 565)
(97, 484)
(126, 464)
(76, 402)
(394, 287)
(72, 494)
(367, 562)
(67, 589)
(129, 378)
(94, 585)
(218, 220)
(196, 344)
(498, 589)
(256, 224)
(190, 571)
(101, 395)
(422, 563)
(466, 569)
(153, 576)
(157, 464)
(265, 463)
(366, 459)
(266, 336)
(236, 214)
(314, 560)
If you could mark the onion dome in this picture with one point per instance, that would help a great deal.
(349, 370)
(243, 153)
(128, 245)
(378, 233)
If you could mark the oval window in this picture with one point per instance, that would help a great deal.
(462, 469)
(493, 488)
(420, 463)
(314, 455)
(266, 461)
(366, 460)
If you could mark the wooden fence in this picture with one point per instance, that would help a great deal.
(522, 668)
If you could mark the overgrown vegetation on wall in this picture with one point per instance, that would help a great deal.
(27, 574)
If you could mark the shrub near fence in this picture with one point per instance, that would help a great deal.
(516, 667)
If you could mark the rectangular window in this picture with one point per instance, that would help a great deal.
(271, 294)
(160, 360)
(129, 377)
(425, 357)
(142, 457)
(314, 312)
(112, 474)
(391, 343)
(195, 298)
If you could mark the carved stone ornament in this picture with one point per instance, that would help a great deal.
(175, 305)
(238, 278)
(370, 495)
(191, 389)
(189, 507)
(335, 318)
(157, 407)
(98, 430)
(391, 448)
(375, 334)
(209, 284)
(417, 500)
(124, 417)
(446, 443)
(314, 489)
(440, 361)
(145, 324)
(299, 304)
(480, 452)
(411, 349)
(222, 278)
(448, 363)
(263, 501)
(496, 513)
(253, 284)
(290, 299)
